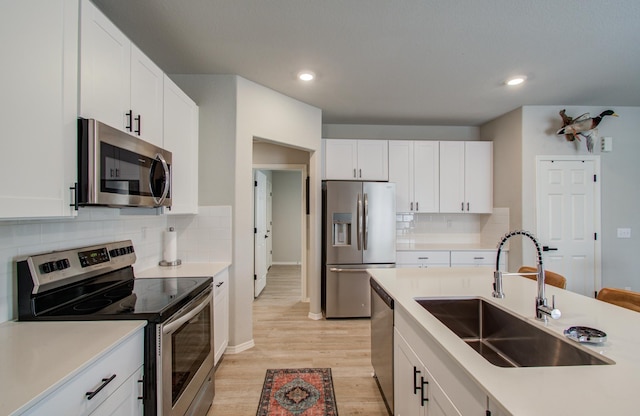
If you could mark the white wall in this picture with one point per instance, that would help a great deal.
(287, 211)
(245, 111)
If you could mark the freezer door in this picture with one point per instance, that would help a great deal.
(379, 219)
(348, 294)
(343, 222)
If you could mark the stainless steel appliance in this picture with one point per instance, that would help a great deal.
(98, 283)
(118, 169)
(359, 220)
(382, 341)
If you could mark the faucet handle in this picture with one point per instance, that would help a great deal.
(555, 313)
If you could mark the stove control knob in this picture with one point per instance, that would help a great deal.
(45, 267)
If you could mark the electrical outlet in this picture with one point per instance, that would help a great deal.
(624, 232)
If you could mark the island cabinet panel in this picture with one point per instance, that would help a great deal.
(417, 389)
(465, 396)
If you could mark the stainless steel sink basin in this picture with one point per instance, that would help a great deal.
(504, 339)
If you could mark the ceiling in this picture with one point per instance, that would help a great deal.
(412, 62)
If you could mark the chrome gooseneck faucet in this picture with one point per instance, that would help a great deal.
(543, 311)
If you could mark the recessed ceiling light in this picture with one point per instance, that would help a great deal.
(517, 80)
(306, 76)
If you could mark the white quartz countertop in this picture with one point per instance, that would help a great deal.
(38, 357)
(444, 247)
(184, 270)
(584, 390)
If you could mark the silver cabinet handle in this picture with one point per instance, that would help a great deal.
(467, 206)
(354, 173)
(360, 170)
(412, 206)
(462, 206)
(417, 209)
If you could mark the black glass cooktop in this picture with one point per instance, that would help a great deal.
(151, 299)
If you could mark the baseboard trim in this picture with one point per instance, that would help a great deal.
(237, 349)
(315, 316)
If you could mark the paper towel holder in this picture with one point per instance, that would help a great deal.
(166, 263)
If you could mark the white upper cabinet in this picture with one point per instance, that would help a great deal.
(357, 160)
(181, 139)
(38, 117)
(119, 85)
(466, 177)
(414, 168)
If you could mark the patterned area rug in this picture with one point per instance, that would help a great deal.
(298, 392)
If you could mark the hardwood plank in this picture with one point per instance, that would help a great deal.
(286, 338)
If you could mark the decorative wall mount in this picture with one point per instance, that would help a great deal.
(583, 125)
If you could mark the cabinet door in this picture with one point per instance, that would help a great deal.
(146, 97)
(221, 313)
(39, 84)
(105, 69)
(373, 160)
(181, 139)
(401, 173)
(478, 177)
(451, 176)
(341, 159)
(407, 370)
(125, 401)
(426, 172)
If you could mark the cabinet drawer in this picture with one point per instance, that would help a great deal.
(426, 258)
(474, 258)
(71, 398)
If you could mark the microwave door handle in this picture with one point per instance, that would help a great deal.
(165, 191)
(170, 328)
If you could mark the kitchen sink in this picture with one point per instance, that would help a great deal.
(505, 339)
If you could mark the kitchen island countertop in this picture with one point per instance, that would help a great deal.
(585, 390)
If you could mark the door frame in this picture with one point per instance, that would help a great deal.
(304, 294)
(597, 202)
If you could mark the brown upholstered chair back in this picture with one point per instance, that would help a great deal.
(550, 278)
(620, 297)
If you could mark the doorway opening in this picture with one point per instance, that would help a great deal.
(280, 216)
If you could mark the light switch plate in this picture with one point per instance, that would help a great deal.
(606, 144)
(624, 232)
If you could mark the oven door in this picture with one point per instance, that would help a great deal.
(185, 359)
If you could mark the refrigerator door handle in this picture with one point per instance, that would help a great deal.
(359, 222)
(339, 270)
(365, 222)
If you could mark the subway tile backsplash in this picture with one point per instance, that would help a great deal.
(202, 237)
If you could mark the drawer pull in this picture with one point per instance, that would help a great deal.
(423, 258)
(415, 380)
(219, 284)
(478, 258)
(91, 394)
(423, 399)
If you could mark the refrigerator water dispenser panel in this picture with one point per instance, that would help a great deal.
(342, 229)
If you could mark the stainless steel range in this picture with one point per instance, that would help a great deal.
(98, 283)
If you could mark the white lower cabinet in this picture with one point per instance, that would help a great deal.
(113, 378)
(436, 258)
(418, 391)
(221, 313)
(447, 389)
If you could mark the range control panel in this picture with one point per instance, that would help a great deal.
(58, 268)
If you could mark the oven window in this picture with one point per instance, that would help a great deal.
(191, 345)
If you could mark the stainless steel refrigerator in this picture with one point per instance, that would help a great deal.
(359, 221)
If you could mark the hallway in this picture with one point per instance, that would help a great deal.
(286, 338)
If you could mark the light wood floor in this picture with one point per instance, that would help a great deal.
(286, 338)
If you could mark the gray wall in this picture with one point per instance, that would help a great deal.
(287, 213)
(620, 169)
(366, 131)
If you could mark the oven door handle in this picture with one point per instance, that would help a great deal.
(171, 327)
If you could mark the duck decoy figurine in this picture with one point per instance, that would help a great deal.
(583, 125)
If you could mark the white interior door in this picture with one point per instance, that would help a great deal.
(269, 225)
(260, 234)
(567, 221)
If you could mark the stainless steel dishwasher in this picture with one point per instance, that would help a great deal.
(382, 341)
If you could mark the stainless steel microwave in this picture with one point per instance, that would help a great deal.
(119, 170)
